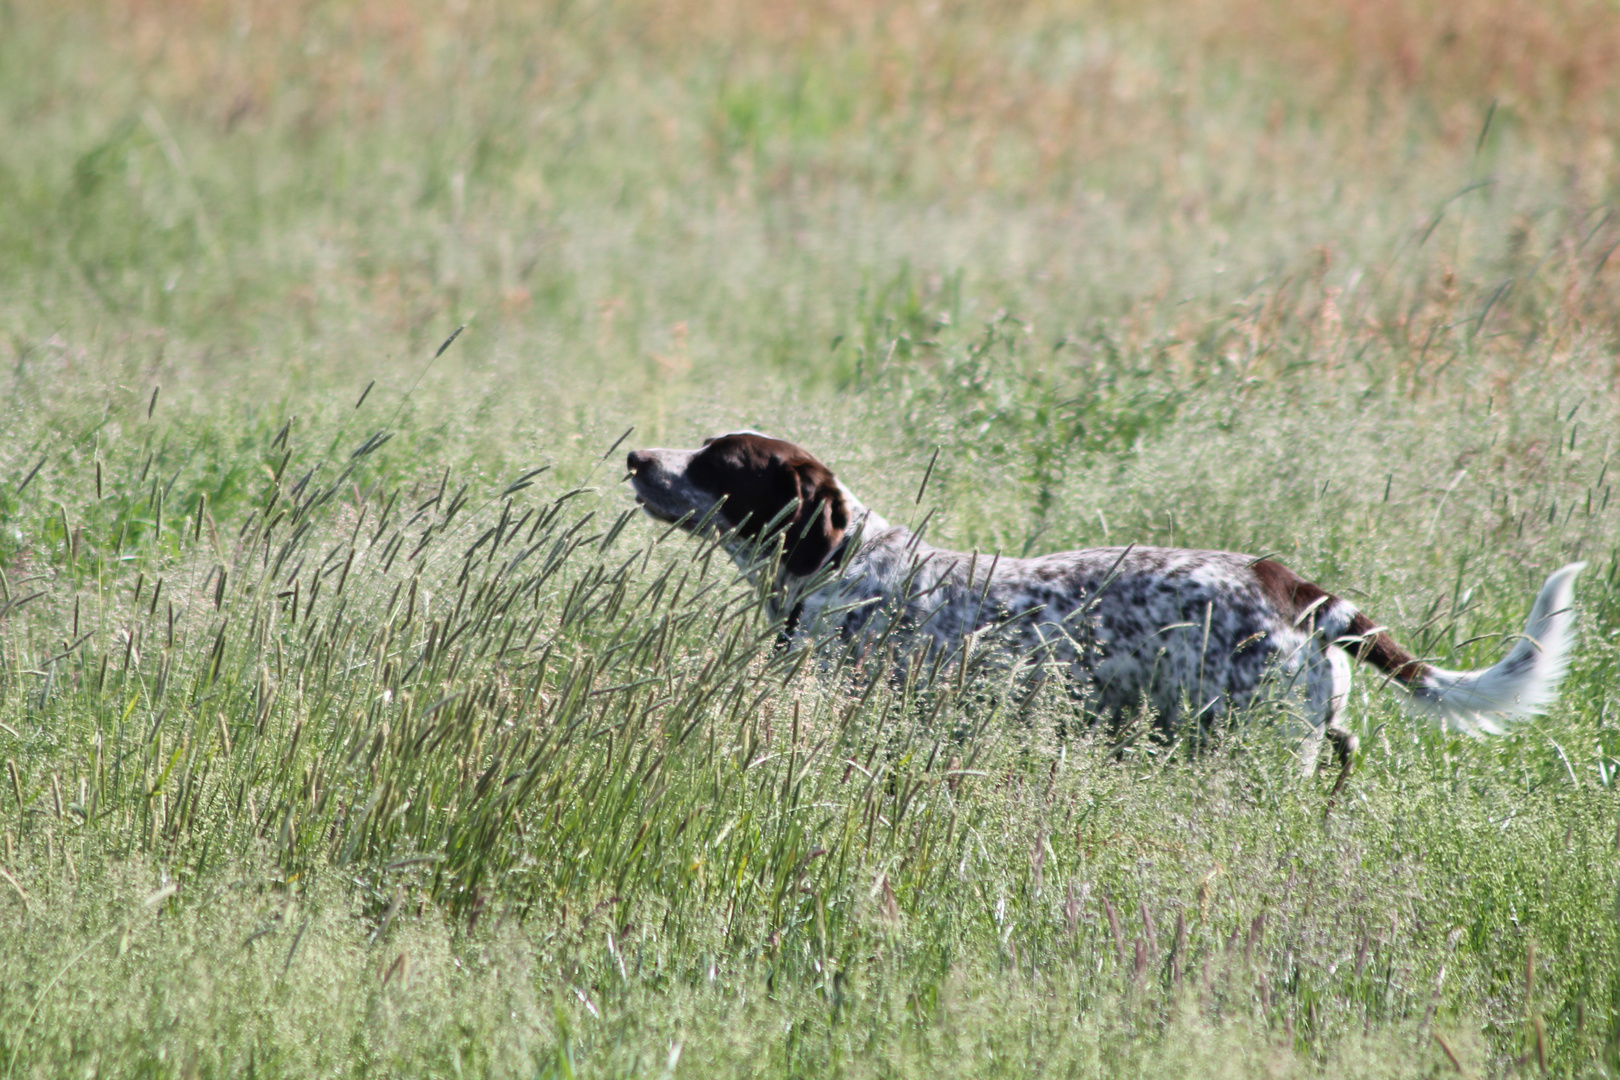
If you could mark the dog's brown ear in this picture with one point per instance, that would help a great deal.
(819, 524)
(760, 478)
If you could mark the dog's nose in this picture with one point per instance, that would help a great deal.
(638, 461)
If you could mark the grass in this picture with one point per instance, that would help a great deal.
(356, 723)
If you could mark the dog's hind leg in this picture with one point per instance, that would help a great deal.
(1328, 699)
(1343, 739)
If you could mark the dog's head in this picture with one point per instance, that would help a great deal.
(755, 480)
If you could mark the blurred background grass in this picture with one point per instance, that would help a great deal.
(1332, 283)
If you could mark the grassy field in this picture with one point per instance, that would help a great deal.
(355, 723)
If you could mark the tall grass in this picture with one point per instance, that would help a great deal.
(355, 721)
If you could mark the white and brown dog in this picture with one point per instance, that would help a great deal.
(1183, 632)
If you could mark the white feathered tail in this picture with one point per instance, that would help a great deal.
(1523, 683)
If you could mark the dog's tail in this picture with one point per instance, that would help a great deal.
(1523, 683)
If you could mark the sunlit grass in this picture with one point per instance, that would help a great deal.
(354, 721)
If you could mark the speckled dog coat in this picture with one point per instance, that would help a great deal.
(1181, 632)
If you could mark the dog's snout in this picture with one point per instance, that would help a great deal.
(638, 461)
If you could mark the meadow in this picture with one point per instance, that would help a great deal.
(356, 723)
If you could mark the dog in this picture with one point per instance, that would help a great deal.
(1186, 634)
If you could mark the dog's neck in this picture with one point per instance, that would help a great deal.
(865, 526)
(862, 519)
